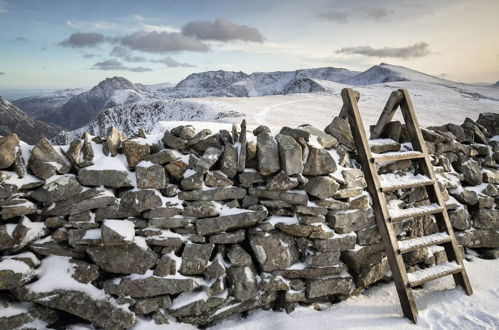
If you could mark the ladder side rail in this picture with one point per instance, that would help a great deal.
(434, 193)
(388, 112)
(344, 109)
(380, 209)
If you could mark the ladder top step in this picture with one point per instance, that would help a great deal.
(397, 214)
(428, 274)
(392, 181)
(419, 242)
(396, 156)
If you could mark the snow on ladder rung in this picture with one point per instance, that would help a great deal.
(392, 181)
(400, 214)
(396, 155)
(424, 275)
(419, 242)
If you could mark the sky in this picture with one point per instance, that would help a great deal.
(77, 43)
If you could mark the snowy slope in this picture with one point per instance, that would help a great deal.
(130, 118)
(210, 83)
(42, 105)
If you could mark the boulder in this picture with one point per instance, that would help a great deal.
(267, 154)
(114, 138)
(150, 176)
(218, 194)
(242, 219)
(45, 161)
(319, 162)
(141, 200)
(88, 200)
(295, 197)
(229, 160)
(167, 265)
(486, 219)
(274, 250)
(243, 279)
(333, 285)
(134, 258)
(57, 190)
(290, 154)
(195, 258)
(460, 218)
(16, 207)
(217, 179)
(173, 141)
(229, 238)
(281, 181)
(340, 129)
(209, 158)
(322, 187)
(8, 150)
(15, 273)
(150, 286)
(201, 209)
(108, 178)
(472, 172)
(194, 303)
(479, 238)
(238, 256)
(162, 157)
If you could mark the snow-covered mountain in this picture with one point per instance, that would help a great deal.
(13, 120)
(132, 117)
(42, 106)
(83, 108)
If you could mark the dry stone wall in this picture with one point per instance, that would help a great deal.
(200, 225)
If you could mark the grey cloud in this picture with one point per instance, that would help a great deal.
(21, 39)
(336, 16)
(117, 65)
(2, 73)
(221, 30)
(80, 40)
(378, 14)
(125, 55)
(170, 62)
(162, 42)
(90, 55)
(419, 49)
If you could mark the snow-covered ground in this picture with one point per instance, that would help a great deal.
(441, 306)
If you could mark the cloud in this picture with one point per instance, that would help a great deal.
(93, 25)
(3, 6)
(162, 42)
(125, 55)
(221, 30)
(170, 62)
(336, 16)
(80, 40)
(2, 73)
(419, 49)
(90, 55)
(21, 39)
(378, 14)
(117, 66)
(159, 28)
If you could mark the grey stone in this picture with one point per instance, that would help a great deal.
(57, 190)
(212, 141)
(208, 226)
(201, 209)
(379, 146)
(249, 178)
(141, 200)
(8, 146)
(217, 179)
(166, 266)
(117, 232)
(243, 281)
(479, 238)
(195, 258)
(153, 177)
(106, 178)
(209, 158)
(51, 247)
(218, 194)
(294, 197)
(126, 259)
(228, 238)
(135, 151)
(115, 211)
(363, 257)
(16, 207)
(84, 272)
(290, 154)
(170, 222)
(176, 169)
(195, 181)
(45, 162)
(14, 273)
(340, 129)
(153, 304)
(162, 157)
(187, 132)
(229, 160)
(460, 219)
(319, 162)
(196, 307)
(199, 136)
(281, 181)
(311, 273)
(321, 186)
(274, 251)
(238, 256)
(486, 219)
(267, 154)
(333, 285)
(472, 172)
(173, 141)
(27, 314)
(323, 259)
(114, 138)
(350, 220)
(368, 236)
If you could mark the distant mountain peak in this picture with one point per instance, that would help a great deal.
(115, 83)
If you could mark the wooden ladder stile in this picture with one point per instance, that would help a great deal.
(385, 221)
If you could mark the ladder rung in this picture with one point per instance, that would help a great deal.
(397, 214)
(428, 274)
(419, 242)
(391, 182)
(397, 155)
